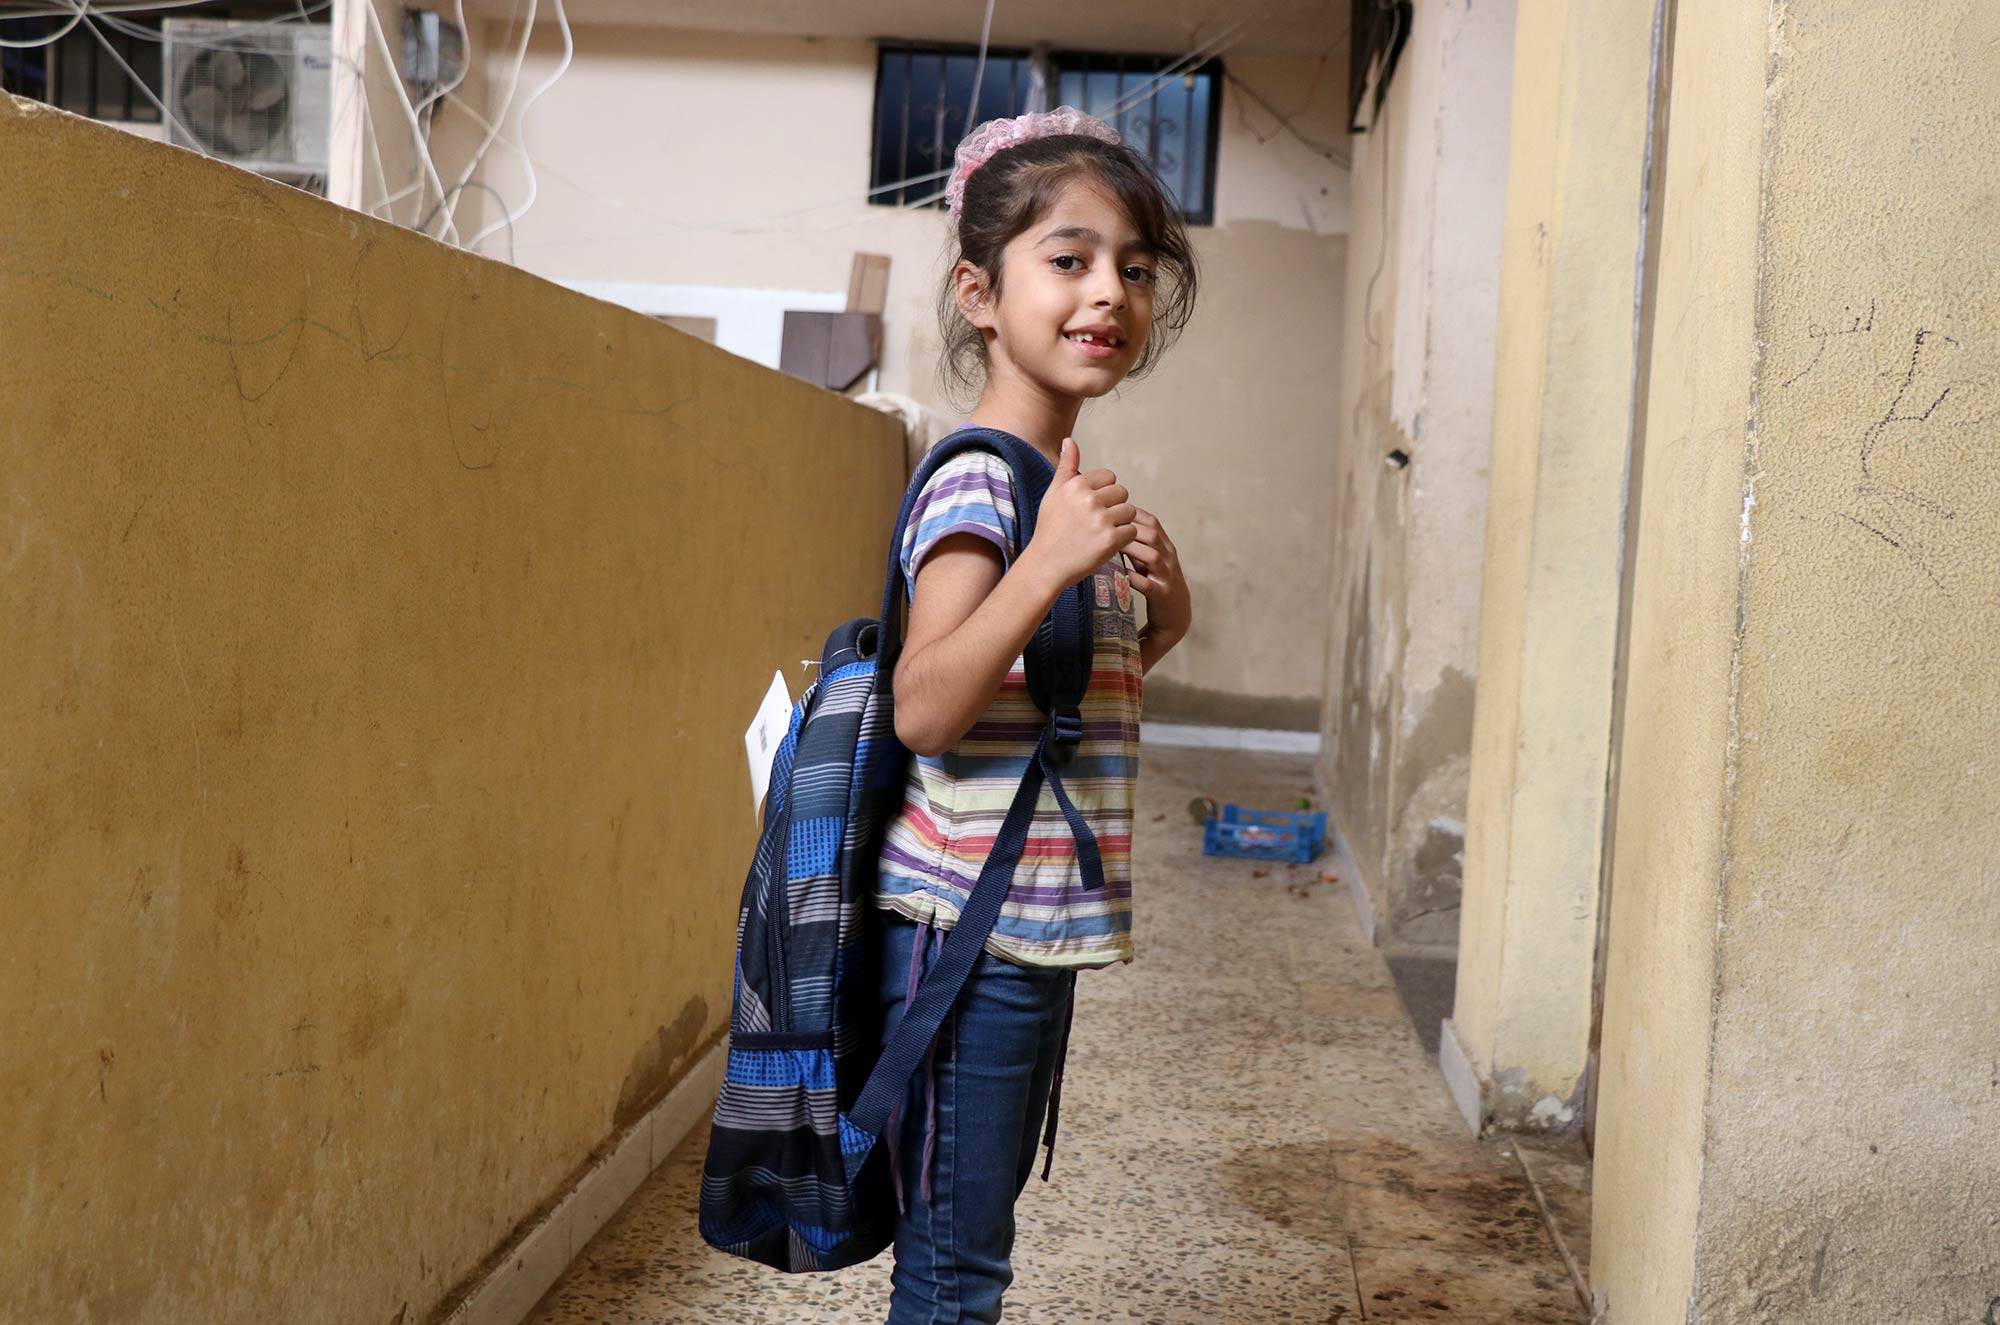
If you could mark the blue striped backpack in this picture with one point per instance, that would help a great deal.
(798, 1174)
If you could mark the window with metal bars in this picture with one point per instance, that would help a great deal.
(923, 94)
(77, 72)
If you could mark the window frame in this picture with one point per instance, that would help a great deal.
(1059, 62)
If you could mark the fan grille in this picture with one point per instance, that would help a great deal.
(235, 99)
(255, 94)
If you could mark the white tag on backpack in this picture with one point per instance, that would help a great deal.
(766, 734)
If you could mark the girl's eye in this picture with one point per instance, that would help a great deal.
(1066, 257)
(1143, 275)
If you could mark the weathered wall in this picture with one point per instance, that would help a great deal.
(1417, 373)
(1548, 620)
(1798, 1113)
(382, 628)
(1231, 442)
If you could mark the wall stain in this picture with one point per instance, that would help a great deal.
(232, 895)
(370, 1015)
(659, 1062)
(1434, 769)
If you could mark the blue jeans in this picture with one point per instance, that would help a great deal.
(987, 1088)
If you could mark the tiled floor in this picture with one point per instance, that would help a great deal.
(1251, 1132)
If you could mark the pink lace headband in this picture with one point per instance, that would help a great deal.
(995, 136)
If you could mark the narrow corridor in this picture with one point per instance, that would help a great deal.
(1251, 1132)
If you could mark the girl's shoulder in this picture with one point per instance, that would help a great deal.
(973, 485)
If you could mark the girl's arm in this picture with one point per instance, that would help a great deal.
(970, 621)
(968, 625)
(1154, 644)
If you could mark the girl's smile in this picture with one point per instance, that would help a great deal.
(1099, 340)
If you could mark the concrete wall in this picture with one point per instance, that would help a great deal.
(382, 629)
(683, 158)
(1555, 526)
(1417, 374)
(1798, 1110)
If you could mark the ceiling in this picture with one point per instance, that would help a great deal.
(1161, 27)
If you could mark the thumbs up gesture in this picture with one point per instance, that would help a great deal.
(1085, 518)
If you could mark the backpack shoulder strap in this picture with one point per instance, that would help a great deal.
(1059, 654)
(924, 1015)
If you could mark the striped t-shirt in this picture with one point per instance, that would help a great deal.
(953, 803)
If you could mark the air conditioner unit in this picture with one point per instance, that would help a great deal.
(256, 94)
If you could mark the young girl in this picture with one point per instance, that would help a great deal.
(1074, 272)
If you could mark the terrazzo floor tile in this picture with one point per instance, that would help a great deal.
(1249, 1121)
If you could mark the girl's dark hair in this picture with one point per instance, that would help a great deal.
(1014, 190)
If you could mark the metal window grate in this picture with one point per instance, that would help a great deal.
(922, 94)
(77, 74)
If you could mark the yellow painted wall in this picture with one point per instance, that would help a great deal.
(1672, 790)
(382, 625)
(1798, 1108)
(1549, 603)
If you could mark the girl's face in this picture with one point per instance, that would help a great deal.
(1077, 299)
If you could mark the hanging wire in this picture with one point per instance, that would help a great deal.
(527, 159)
(98, 10)
(979, 70)
(1211, 49)
(1285, 122)
(409, 111)
(500, 117)
(140, 32)
(48, 39)
(429, 103)
(507, 217)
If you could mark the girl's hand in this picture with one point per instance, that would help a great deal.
(1084, 520)
(1169, 610)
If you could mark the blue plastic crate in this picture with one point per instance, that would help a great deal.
(1265, 834)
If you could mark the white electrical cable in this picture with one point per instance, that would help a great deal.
(139, 32)
(409, 111)
(431, 98)
(493, 129)
(534, 189)
(76, 16)
(1200, 55)
(99, 10)
(368, 136)
(370, 139)
(979, 70)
